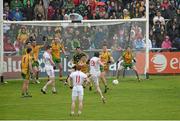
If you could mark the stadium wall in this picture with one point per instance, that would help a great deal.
(12, 65)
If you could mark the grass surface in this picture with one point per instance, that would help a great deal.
(157, 98)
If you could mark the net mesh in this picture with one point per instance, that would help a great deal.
(90, 36)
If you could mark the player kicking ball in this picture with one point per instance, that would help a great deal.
(49, 67)
(78, 79)
(95, 72)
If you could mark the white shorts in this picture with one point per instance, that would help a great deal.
(95, 79)
(77, 91)
(50, 71)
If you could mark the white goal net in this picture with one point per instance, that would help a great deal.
(89, 35)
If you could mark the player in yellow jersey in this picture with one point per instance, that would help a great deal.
(57, 46)
(128, 60)
(26, 45)
(26, 69)
(35, 50)
(106, 59)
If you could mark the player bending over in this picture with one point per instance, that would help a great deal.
(95, 72)
(127, 63)
(49, 67)
(26, 69)
(77, 78)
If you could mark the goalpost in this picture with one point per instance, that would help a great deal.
(113, 31)
(1, 40)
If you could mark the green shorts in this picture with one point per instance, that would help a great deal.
(125, 65)
(101, 68)
(25, 76)
(35, 64)
(56, 60)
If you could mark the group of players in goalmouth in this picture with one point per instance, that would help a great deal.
(85, 70)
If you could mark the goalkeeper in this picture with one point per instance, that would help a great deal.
(127, 62)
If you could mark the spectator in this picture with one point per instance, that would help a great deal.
(58, 15)
(84, 42)
(16, 15)
(173, 29)
(76, 2)
(28, 11)
(23, 35)
(158, 33)
(69, 6)
(57, 4)
(16, 4)
(50, 13)
(152, 11)
(25, 3)
(12, 32)
(46, 5)
(159, 18)
(6, 7)
(39, 11)
(89, 13)
(126, 14)
(8, 46)
(166, 44)
(165, 4)
(139, 43)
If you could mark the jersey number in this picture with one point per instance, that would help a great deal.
(77, 79)
(92, 63)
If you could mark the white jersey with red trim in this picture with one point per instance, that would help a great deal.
(78, 78)
(94, 65)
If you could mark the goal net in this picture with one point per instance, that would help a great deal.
(89, 35)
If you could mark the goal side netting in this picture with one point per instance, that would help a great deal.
(90, 35)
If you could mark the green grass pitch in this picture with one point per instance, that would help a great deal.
(156, 98)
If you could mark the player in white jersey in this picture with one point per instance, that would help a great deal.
(49, 67)
(95, 72)
(78, 79)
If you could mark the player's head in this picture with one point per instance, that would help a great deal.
(96, 54)
(28, 44)
(29, 50)
(84, 58)
(104, 46)
(128, 49)
(78, 67)
(49, 48)
(78, 49)
(56, 39)
(34, 43)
